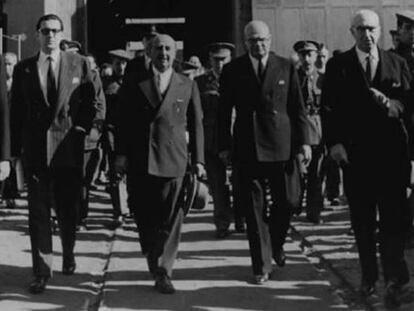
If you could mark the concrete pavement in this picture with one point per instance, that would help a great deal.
(321, 271)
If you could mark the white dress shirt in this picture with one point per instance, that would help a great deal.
(374, 58)
(255, 63)
(162, 79)
(43, 67)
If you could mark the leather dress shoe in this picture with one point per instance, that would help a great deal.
(260, 279)
(38, 285)
(396, 295)
(164, 285)
(367, 289)
(69, 268)
(280, 258)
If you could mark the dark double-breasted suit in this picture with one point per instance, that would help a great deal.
(269, 127)
(152, 133)
(376, 177)
(50, 140)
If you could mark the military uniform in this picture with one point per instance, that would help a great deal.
(311, 85)
(208, 84)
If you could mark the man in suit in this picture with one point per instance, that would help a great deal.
(159, 107)
(405, 48)
(53, 104)
(208, 83)
(365, 104)
(269, 129)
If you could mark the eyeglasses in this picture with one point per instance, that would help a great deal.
(258, 40)
(46, 31)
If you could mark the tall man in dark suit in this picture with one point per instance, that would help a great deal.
(269, 129)
(364, 103)
(158, 108)
(53, 106)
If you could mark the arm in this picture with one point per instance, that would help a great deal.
(297, 114)
(225, 113)
(196, 130)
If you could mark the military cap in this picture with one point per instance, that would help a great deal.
(70, 45)
(122, 54)
(220, 49)
(187, 65)
(306, 45)
(406, 16)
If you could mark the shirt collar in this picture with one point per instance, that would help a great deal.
(255, 61)
(362, 56)
(166, 73)
(43, 57)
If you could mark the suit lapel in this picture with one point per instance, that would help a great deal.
(151, 92)
(271, 72)
(64, 80)
(33, 72)
(356, 69)
(172, 90)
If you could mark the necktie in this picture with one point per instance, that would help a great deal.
(368, 69)
(260, 71)
(51, 85)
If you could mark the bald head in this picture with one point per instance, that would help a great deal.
(364, 15)
(162, 51)
(257, 38)
(365, 28)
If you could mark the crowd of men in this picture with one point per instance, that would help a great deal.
(282, 127)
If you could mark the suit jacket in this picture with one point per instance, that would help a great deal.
(350, 115)
(4, 115)
(270, 118)
(47, 136)
(151, 130)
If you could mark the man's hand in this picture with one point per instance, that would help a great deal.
(225, 157)
(338, 153)
(395, 108)
(379, 97)
(412, 175)
(200, 171)
(121, 164)
(307, 154)
(4, 170)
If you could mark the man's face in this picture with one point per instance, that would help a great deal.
(118, 66)
(308, 59)
(49, 35)
(258, 41)
(9, 62)
(217, 62)
(406, 34)
(322, 58)
(366, 31)
(162, 52)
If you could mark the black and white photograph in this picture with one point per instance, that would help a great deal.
(207, 155)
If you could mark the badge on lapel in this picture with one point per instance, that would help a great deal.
(396, 84)
(75, 80)
(281, 82)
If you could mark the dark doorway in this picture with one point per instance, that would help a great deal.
(206, 21)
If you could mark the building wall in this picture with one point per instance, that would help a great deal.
(23, 16)
(326, 21)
